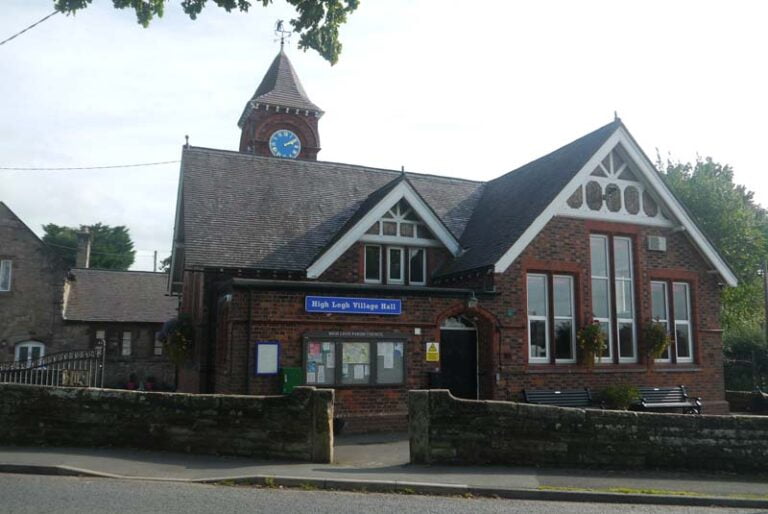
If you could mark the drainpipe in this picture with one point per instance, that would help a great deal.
(248, 344)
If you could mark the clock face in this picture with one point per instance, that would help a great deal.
(284, 143)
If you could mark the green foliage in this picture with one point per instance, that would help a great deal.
(620, 396)
(111, 247)
(737, 226)
(656, 339)
(165, 265)
(592, 343)
(746, 358)
(178, 337)
(317, 23)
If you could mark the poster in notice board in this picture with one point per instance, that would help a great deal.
(266, 357)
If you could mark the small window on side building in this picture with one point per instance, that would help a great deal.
(125, 349)
(5, 275)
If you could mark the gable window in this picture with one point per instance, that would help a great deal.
(395, 272)
(551, 318)
(5, 275)
(417, 266)
(674, 313)
(29, 351)
(613, 307)
(125, 348)
(373, 264)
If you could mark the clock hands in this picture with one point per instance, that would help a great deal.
(291, 142)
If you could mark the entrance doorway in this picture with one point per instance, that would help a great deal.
(458, 357)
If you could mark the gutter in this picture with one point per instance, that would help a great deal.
(306, 285)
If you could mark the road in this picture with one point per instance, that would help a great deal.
(35, 494)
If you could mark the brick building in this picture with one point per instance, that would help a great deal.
(350, 274)
(46, 307)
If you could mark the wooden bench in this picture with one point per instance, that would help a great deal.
(667, 398)
(560, 398)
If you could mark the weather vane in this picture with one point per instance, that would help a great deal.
(281, 33)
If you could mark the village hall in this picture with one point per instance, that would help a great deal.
(373, 282)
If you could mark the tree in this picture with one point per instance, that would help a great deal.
(111, 247)
(317, 23)
(165, 265)
(737, 226)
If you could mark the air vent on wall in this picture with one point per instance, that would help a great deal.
(657, 243)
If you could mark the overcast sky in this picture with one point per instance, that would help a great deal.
(465, 89)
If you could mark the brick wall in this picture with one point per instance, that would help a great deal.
(298, 426)
(501, 319)
(446, 430)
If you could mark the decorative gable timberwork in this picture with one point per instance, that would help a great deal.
(614, 191)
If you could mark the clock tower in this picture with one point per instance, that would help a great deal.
(280, 120)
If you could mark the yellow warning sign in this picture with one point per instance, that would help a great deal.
(433, 352)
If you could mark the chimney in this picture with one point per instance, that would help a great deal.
(83, 257)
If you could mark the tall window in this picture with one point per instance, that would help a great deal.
(538, 319)
(395, 271)
(417, 266)
(682, 306)
(125, 350)
(373, 264)
(601, 291)
(660, 312)
(613, 307)
(5, 275)
(674, 314)
(555, 324)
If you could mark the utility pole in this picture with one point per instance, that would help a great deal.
(154, 267)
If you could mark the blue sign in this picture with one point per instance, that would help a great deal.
(344, 305)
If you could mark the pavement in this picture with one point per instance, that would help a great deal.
(380, 463)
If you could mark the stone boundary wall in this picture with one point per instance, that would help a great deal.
(447, 430)
(754, 402)
(297, 426)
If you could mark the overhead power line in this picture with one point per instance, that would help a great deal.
(26, 29)
(90, 167)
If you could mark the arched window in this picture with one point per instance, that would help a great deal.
(29, 351)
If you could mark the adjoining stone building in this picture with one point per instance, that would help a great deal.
(31, 288)
(126, 309)
(47, 308)
(374, 282)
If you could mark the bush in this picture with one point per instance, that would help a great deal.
(656, 339)
(746, 358)
(620, 396)
(591, 342)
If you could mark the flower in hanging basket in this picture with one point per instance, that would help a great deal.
(591, 340)
(656, 339)
(177, 336)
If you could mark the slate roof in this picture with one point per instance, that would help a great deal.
(118, 296)
(281, 87)
(513, 201)
(246, 211)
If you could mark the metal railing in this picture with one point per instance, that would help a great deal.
(73, 368)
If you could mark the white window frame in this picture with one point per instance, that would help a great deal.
(545, 318)
(157, 349)
(6, 264)
(571, 318)
(688, 323)
(365, 264)
(608, 288)
(126, 350)
(401, 280)
(629, 281)
(29, 345)
(665, 320)
(411, 251)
